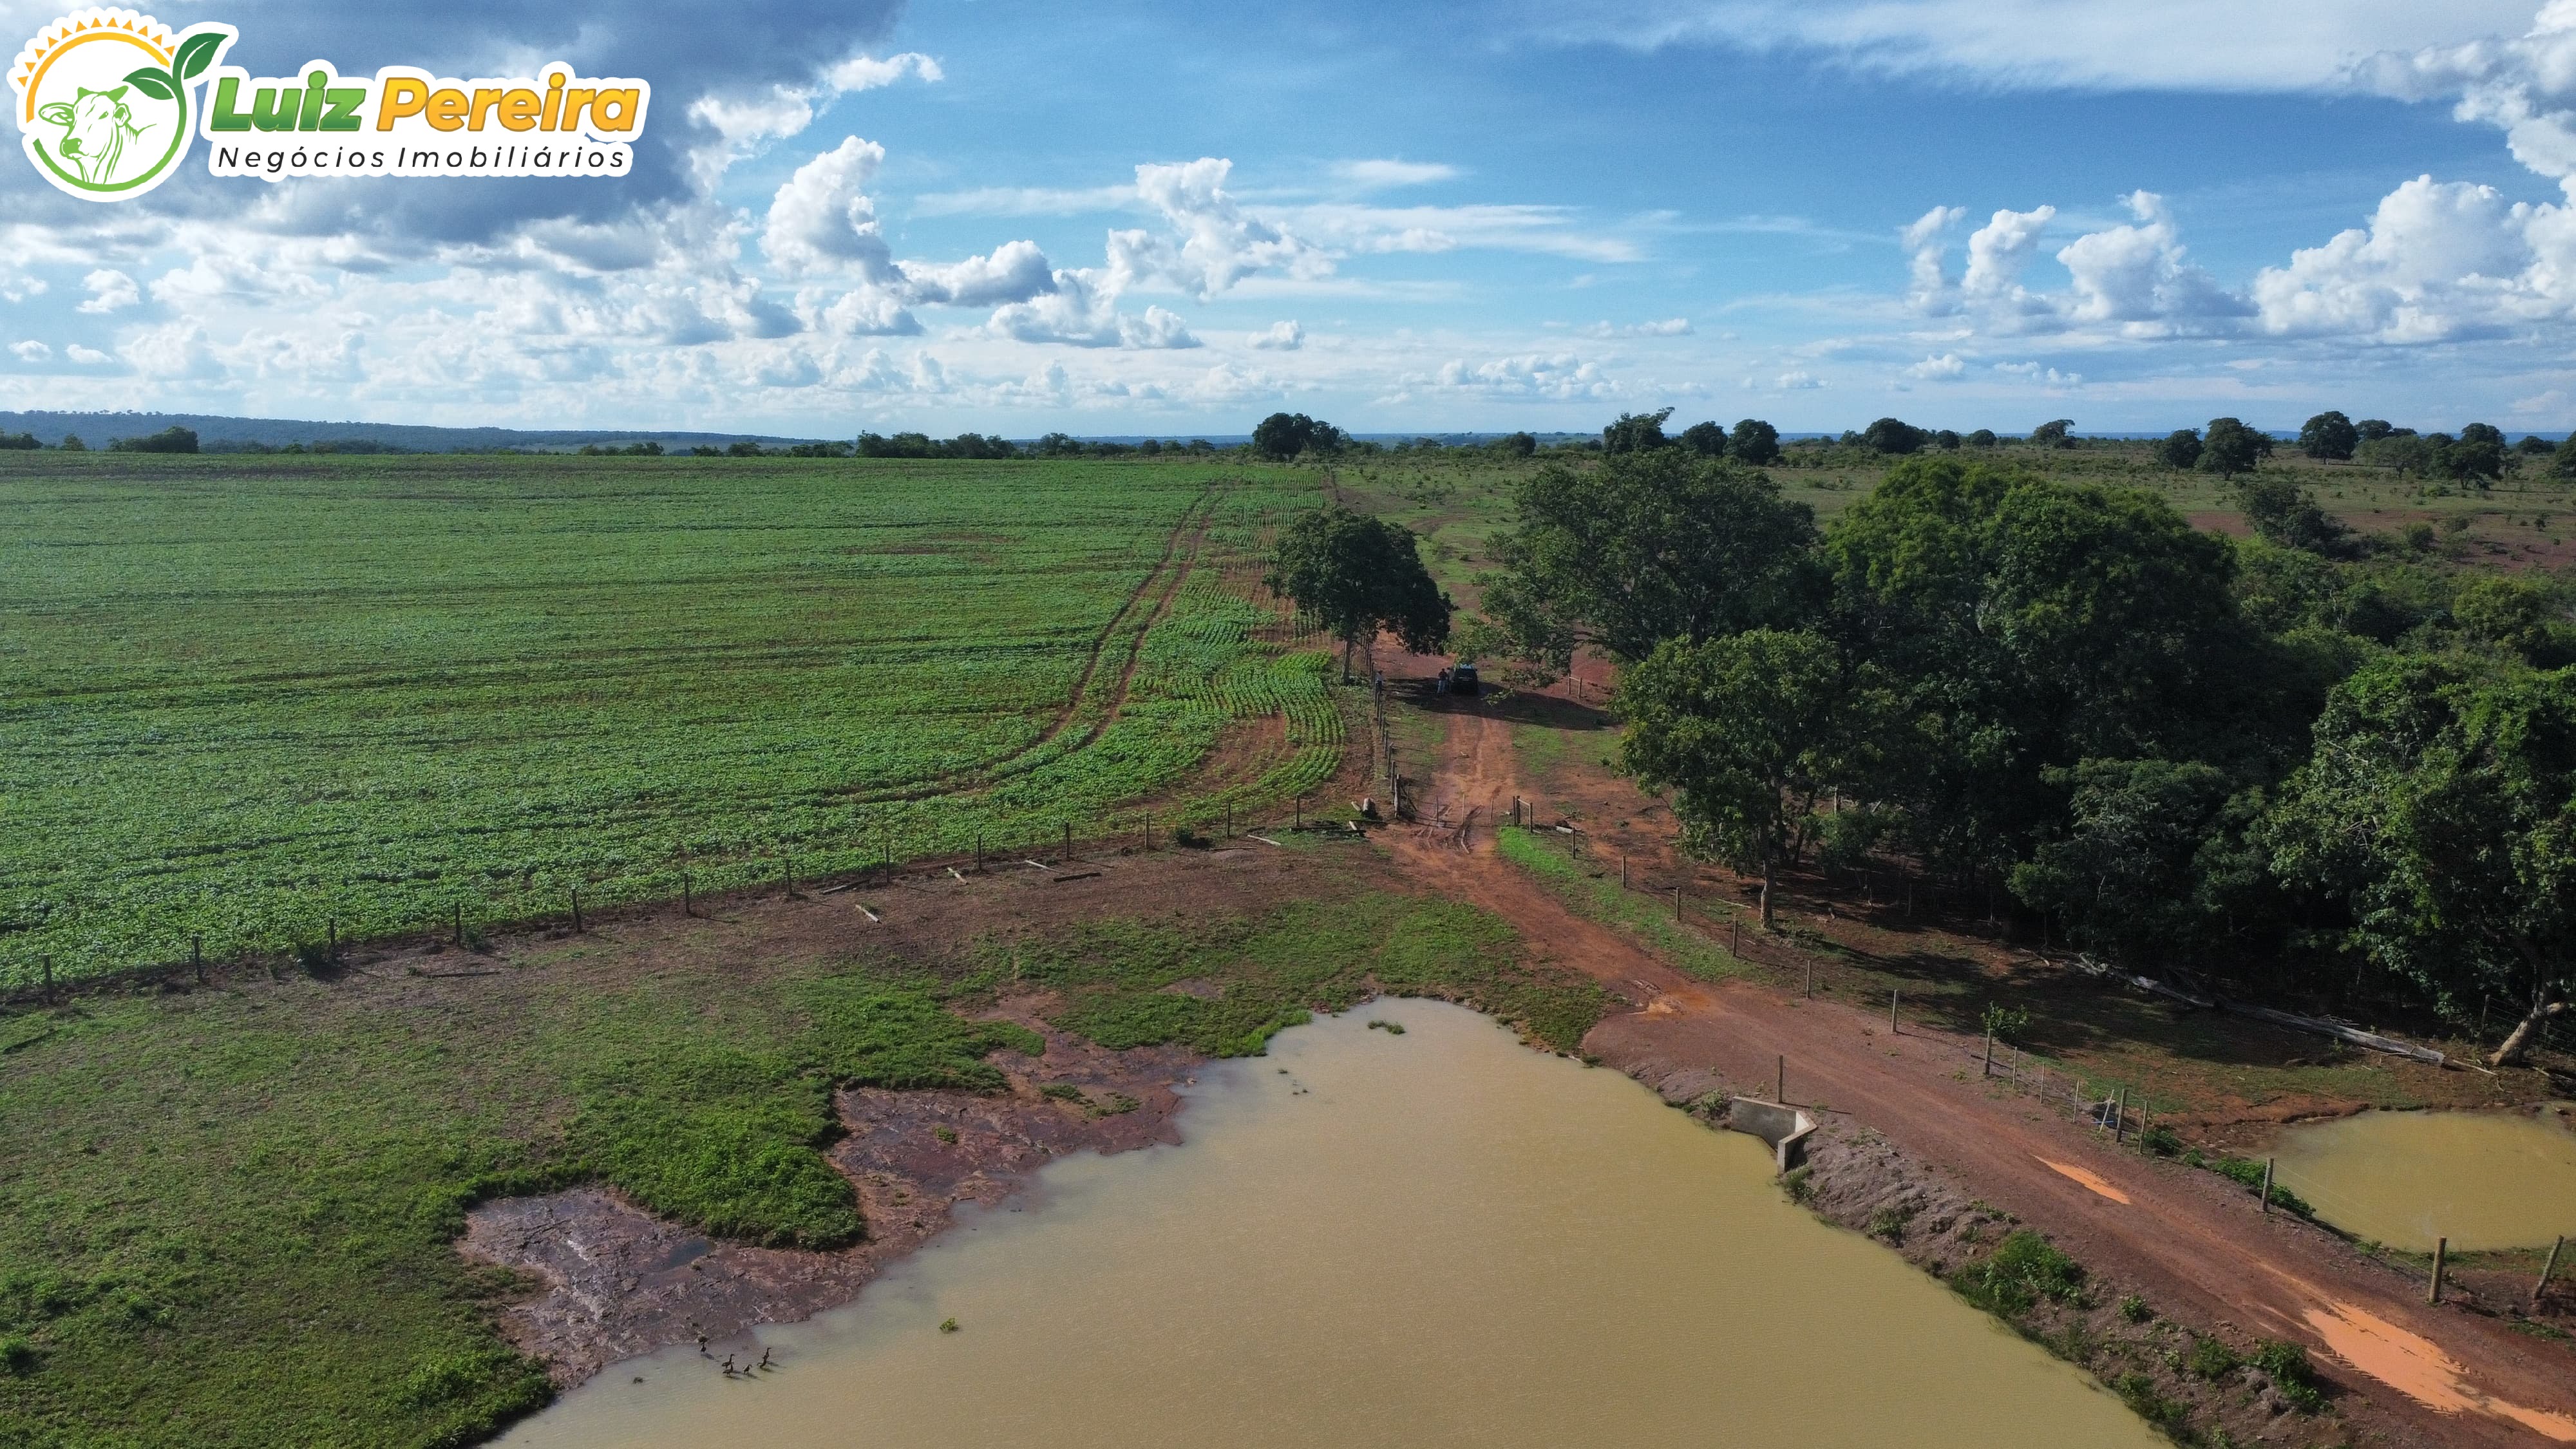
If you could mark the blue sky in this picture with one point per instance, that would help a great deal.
(1152, 218)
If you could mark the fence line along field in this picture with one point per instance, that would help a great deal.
(261, 700)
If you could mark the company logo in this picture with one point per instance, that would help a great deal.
(107, 101)
(104, 99)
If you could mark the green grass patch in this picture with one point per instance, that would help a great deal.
(1596, 894)
(1117, 975)
(227, 1217)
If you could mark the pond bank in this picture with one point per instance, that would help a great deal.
(1372, 1238)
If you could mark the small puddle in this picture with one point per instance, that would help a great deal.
(2417, 1367)
(1433, 1239)
(2481, 1179)
(2091, 1180)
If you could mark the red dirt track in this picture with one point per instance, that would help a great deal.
(2197, 1246)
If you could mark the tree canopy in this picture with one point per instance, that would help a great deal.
(2329, 435)
(1359, 575)
(1635, 432)
(2027, 625)
(1754, 443)
(1282, 436)
(1649, 546)
(1747, 730)
(2439, 810)
(2228, 447)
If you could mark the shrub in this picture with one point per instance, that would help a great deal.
(17, 1354)
(2134, 1309)
(2211, 1359)
(2025, 1268)
(1061, 1092)
(1797, 1185)
(2291, 1373)
(2139, 1392)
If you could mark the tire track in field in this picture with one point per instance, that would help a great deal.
(1171, 571)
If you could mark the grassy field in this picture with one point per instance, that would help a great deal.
(226, 1216)
(259, 700)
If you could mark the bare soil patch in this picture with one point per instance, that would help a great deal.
(621, 1282)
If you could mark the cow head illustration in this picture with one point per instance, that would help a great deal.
(98, 132)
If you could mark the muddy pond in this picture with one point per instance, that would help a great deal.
(1369, 1238)
(2481, 1179)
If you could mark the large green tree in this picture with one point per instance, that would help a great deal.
(2328, 435)
(1359, 575)
(2228, 447)
(1649, 546)
(2144, 865)
(1282, 436)
(1636, 432)
(2440, 809)
(1746, 731)
(2027, 625)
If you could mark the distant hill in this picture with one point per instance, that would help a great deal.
(96, 429)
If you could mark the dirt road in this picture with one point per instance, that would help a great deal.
(2195, 1245)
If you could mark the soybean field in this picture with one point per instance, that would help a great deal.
(254, 701)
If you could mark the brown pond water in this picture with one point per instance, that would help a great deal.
(2481, 1179)
(1439, 1238)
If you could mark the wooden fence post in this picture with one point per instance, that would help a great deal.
(1780, 1084)
(1990, 1054)
(460, 921)
(576, 910)
(197, 957)
(1892, 994)
(2441, 1260)
(49, 979)
(2545, 1269)
(2268, 1164)
(687, 907)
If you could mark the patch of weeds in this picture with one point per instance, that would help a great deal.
(948, 1325)
(945, 1133)
(2074, 1343)
(2542, 1331)
(1798, 1187)
(2023, 1269)
(17, 1354)
(1061, 1092)
(2249, 1174)
(1889, 1222)
(1648, 918)
(2211, 1359)
(2288, 1367)
(1391, 1028)
(2134, 1309)
(2139, 1392)
(2160, 1140)
(1118, 1105)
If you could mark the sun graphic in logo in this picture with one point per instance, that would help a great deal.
(103, 99)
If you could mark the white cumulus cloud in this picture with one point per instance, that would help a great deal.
(1280, 337)
(109, 290)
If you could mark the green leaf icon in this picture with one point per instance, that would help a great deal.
(195, 54)
(153, 83)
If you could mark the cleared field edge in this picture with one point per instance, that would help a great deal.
(1196, 646)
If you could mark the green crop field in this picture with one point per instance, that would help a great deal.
(259, 700)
